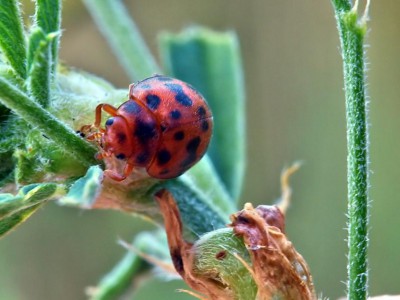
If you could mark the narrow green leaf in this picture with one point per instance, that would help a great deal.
(6, 168)
(84, 191)
(12, 41)
(211, 62)
(12, 221)
(40, 68)
(28, 196)
(16, 209)
(39, 158)
(35, 115)
(36, 36)
(124, 37)
(13, 132)
(48, 18)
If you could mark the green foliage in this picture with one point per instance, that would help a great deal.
(40, 66)
(12, 40)
(35, 115)
(15, 209)
(48, 18)
(41, 112)
(124, 37)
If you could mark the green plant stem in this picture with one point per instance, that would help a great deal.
(352, 32)
(124, 37)
(35, 115)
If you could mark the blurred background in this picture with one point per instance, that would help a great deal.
(295, 111)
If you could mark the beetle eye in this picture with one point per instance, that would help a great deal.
(110, 121)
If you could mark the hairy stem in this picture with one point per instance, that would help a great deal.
(352, 32)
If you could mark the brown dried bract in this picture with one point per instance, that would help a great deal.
(278, 269)
(180, 250)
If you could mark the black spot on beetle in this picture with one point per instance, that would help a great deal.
(179, 136)
(204, 125)
(142, 158)
(180, 95)
(201, 111)
(120, 156)
(145, 131)
(153, 101)
(131, 107)
(177, 260)
(121, 137)
(175, 114)
(183, 99)
(163, 128)
(109, 121)
(193, 144)
(191, 148)
(163, 157)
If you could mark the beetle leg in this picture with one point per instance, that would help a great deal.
(114, 175)
(128, 169)
(107, 108)
(120, 177)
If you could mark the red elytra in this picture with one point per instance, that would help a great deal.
(164, 127)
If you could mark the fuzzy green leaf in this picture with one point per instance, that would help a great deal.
(10, 222)
(16, 209)
(35, 115)
(211, 62)
(36, 36)
(48, 18)
(40, 67)
(13, 132)
(84, 191)
(124, 37)
(6, 167)
(12, 41)
(41, 158)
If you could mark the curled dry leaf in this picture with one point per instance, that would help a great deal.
(275, 267)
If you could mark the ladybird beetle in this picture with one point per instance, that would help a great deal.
(164, 127)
